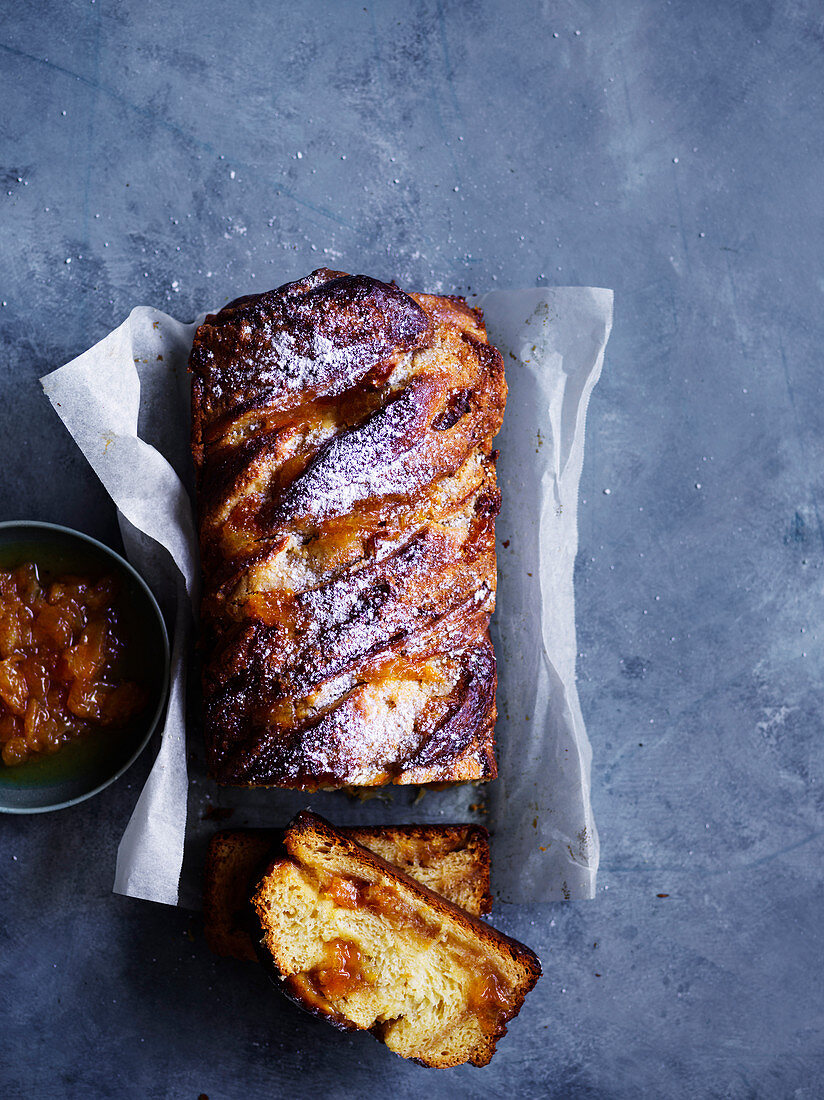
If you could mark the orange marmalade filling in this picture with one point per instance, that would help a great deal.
(340, 972)
(345, 892)
(488, 998)
(352, 893)
(60, 656)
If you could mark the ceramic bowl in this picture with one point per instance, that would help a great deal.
(85, 767)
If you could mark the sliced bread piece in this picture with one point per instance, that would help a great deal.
(233, 858)
(359, 942)
(452, 860)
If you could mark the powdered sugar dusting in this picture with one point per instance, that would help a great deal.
(322, 366)
(320, 336)
(373, 460)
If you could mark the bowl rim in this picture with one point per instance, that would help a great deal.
(164, 694)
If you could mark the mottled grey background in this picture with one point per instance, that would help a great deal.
(172, 154)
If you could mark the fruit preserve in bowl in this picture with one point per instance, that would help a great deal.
(84, 665)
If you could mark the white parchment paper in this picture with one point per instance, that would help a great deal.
(126, 404)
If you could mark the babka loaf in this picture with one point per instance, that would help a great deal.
(358, 942)
(452, 860)
(347, 496)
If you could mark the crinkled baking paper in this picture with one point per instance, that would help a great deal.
(126, 404)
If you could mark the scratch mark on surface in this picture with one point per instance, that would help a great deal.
(442, 127)
(715, 871)
(403, 200)
(376, 39)
(618, 27)
(173, 128)
(734, 310)
(800, 438)
(90, 157)
(680, 208)
(450, 83)
(84, 310)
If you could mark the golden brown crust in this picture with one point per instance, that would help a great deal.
(452, 859)
(347, 496)
(324, 889)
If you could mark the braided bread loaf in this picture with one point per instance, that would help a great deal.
(347, 499)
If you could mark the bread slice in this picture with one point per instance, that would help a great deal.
(355, 940)
(452, 860)
(232, 859)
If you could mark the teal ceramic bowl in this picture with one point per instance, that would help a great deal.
(84, 767)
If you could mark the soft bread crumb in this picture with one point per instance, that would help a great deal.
(361, 943)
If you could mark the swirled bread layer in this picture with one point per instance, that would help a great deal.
(347, 497)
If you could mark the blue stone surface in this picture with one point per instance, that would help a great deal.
(180, 154)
